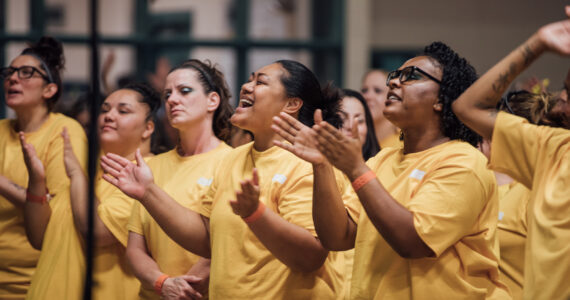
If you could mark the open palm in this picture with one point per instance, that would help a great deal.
(301, 138)
(132, 179)
(33, 163)
(556, 36)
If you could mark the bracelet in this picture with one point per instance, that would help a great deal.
(38, 199)
(256, 214)
(362, 180)
(159, 282)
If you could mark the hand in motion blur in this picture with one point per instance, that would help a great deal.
(33, 163)
(344, 152)
(72, 165)
(247, 200)
(181, 288)
(302, 139)
(130, 178)
(556, 36)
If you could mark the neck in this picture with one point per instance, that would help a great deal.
(264, 140)
(383, 129)
(422, 139)
(198, 140)
(31, 119)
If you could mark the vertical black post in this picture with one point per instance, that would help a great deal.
(93, 149)
(2, 53)
(242, 31)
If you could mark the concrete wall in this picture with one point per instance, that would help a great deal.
(483, 31)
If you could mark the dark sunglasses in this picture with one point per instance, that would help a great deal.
(24, 72)
(408, 73)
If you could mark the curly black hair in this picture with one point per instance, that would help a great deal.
(458, 75)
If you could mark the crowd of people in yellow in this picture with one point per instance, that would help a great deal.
(430, 184)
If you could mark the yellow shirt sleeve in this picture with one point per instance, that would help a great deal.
(295, 203)
(447, 206)
(115, 212)
(135, 222)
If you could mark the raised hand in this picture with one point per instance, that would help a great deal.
(130, 178)
(180, 288)
(247, 199)
(33, 163)
(72, 165)
(302, 139)
(556, 36)
(344, 152)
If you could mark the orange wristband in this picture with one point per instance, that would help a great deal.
(256, 214)
(159, 282)
(37, 199)
(362, 180)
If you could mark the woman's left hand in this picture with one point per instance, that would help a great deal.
(344, 152)
(247, 200)
(556, 36)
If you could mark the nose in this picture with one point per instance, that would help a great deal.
(394, 82)
(347, 126)
(172, 99)
(247, 87)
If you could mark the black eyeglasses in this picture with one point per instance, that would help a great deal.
(24, 72)
(408, 73)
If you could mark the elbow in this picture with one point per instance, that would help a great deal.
(411, 251)
(35, 242)
(310, 263)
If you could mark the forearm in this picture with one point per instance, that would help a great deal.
(36, 215)
(184, 226)
(335, 228)
(143, 265)
(476, 107)
(12, 192)
(79, 203)
(291, 244)
(392, 220)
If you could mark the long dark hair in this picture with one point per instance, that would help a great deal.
(300, 82)
(371, 145)
(49, 52)
(213, 80)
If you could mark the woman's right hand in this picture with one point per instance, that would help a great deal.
(301, 138)
(33, 163)
(72, 165)
(130, 178)
(180, 288)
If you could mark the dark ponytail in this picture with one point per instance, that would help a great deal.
(300, 82)
(49, 52)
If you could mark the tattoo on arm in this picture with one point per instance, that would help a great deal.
(528, 54)
(504, 80)
(17, 186)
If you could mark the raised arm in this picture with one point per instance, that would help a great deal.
(37, 211)
(78, 195)
(186, 227)
(392, 220)
(336, 230)
(476, 107)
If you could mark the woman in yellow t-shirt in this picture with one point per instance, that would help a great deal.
(197, 105)
(258, 229)
(125, 124)
(374, 90)
(428, 229)
(32, 86)
(536, 156)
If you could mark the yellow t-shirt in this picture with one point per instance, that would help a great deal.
(242, 268)
(513, 200)
(185, 179)
(453, 198)
(112, 276)
(539, 158)
(58, 272)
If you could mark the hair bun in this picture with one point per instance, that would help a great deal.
(50, 50)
